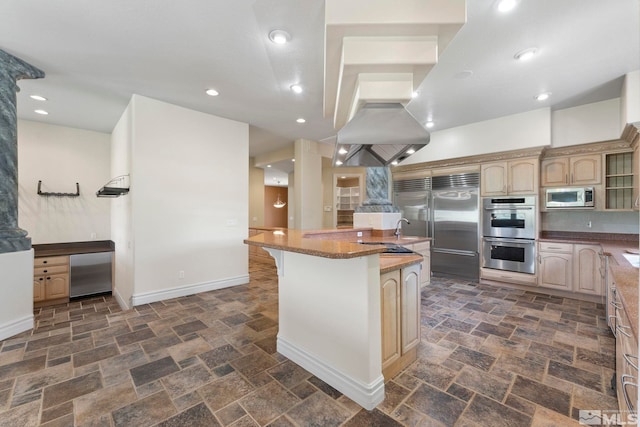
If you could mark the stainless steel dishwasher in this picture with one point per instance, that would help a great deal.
(90, 274)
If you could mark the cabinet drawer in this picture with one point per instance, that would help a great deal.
(556, 247)
(51, 269)
(52, 260)
(422, 247)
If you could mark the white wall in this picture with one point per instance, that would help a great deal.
(121, 211)
(16, 286)
(598, 121)
(59, 157)
(190, 191)
(524, 130)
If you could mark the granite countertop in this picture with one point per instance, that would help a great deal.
(626, 275)
(338, 244)
(73, 248)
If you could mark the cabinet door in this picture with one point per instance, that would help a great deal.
(57, 286)
(586, 269)
(555, 271)
(424, 249)
(493, 179)
(585, 169)
(523, 177)
(390, 311)
(410, 297)
(555, 172)
(38, 288)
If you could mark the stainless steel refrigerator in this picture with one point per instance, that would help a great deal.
(447, 210)
(455, 224)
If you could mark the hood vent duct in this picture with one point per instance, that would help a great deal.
(379, 134)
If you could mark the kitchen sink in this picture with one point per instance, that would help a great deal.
(391, 248)
(634, 259)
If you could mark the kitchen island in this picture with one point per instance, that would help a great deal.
(330, 309)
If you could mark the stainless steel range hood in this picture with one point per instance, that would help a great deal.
(379, 134)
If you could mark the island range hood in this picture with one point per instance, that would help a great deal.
(377, 135)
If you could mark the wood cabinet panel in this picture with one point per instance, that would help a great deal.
(493, 180)
(390, 311)
(585, 169)
(514, 177)
(38, 289)
(56, 286)
(586, 269)
(410, 298)
(555, 270)
(555, 172)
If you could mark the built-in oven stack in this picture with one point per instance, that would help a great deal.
(509, 233)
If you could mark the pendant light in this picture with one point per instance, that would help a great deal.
(279, 203)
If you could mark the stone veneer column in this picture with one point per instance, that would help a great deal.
(377, 192)
(12, 69)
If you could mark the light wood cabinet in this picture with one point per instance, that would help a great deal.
(571, 267)
(555, 270)
(410, 313)
(575, 170)
(513, 177)
(390, 307)
(626, 362)
(50, 280)
(400, 315)
(424, 249)
(587, 277)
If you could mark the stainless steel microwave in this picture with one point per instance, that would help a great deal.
(570, 197)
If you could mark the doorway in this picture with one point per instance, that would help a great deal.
(348, 195)
(275, 206)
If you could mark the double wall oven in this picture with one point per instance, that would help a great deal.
(509, 232)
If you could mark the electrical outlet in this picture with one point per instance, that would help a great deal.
(93, 236)
(359, 234)
(181, 274)
(589, 224)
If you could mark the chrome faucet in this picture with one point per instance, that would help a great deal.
(398, 230)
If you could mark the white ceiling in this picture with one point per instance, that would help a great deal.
(97, 54)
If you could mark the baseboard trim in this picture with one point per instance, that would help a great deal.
(16, 327)
(366, 395)
(121, 301)
(149, 297)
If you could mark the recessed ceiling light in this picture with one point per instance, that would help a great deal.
(300, 120)
(296, 88)
(279, 36)
(542, 96)
(343, 177)
(38, 97)
(212, 92)
(342, 150)
(394, 163)
(415, 94)
(525, 55)
(268, 166)
(506, 5)
(293, 160)
(338, 163)
(411, 151)
(44, 113)
(429, 124)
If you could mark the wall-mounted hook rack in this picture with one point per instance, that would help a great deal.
(47, 194)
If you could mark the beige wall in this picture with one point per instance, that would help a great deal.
(256, 195)
(275, 217)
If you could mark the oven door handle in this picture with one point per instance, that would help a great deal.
(502, 240)
(505, 208)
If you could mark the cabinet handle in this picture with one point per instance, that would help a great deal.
(628, 358)
(45, 271)
(621, 328)
(566, 178)
(572, 177)
(554, 247)
(625, 383)
(44, 262)
(41, 278)
(48, 278)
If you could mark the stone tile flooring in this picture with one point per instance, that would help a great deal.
(489, 356)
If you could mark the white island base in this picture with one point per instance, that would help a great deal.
(330, 321)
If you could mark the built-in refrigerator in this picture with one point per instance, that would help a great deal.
(445, 208)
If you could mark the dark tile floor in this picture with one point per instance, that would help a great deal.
(488, 356)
